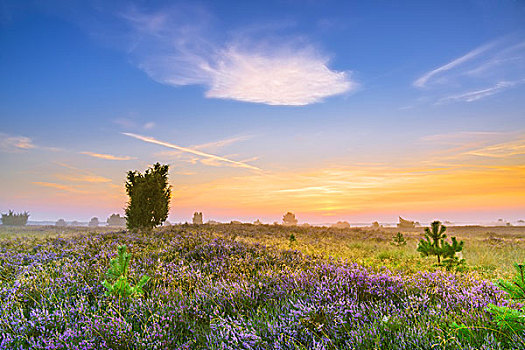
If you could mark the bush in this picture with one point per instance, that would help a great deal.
(435, 244)
(398, 240)
(289, 219)
(93, 222)
(116, 220)
(149, 197)
(15, 219)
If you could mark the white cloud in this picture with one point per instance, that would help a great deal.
(15, 143)
(298, 78)
(175, 47)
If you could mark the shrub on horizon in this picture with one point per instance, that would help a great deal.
(116, 220)
(197, 218)
(289, 219)
(15, 219)
(93, 222)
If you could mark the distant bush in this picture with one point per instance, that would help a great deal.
(197, 218)
(61, 223)
(341, 224)
(15, 219)
(93, 222)
(289, 219)
(116, 220)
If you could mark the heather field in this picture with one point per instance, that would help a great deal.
(252, 287)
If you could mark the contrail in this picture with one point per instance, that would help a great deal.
(189, 150)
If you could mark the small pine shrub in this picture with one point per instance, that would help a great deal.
(292, 240)
(118, 273)
(398, 240)
(435, 244)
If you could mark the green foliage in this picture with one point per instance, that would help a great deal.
(507, 319)
(15, 219)
(435, 244)
(118, 273)
(398, 240)
(292, 239)
(149, 197)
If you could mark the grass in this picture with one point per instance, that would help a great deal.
(251, 287)
(490, 251)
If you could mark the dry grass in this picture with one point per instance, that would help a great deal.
(489, 251)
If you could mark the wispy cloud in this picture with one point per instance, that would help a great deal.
(192, 151)
(107, 156)
(175, 47)
(15, 143)
(83, 178)
(133, 124)
(479, 94)
(62, 187)
(209, 146)
(423, 80)
(501, 150)
(458, 136)
(485, 71)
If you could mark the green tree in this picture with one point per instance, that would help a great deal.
(435, 244)
(149, 197)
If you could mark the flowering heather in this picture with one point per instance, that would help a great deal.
(213, 293)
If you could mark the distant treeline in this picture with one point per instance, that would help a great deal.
(15, 219)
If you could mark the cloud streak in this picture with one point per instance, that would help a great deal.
(423, 80)
(487, 70)
(66, 188)
(106, 156)
(174, 47)
(475, 95)
(15, 143)
(191, 151)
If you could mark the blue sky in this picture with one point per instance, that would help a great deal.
(275, 94)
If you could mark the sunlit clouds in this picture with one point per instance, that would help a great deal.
(175, 50)
(287, 78)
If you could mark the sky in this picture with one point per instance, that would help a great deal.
(334, 110)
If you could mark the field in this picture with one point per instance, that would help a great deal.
(252, 287)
